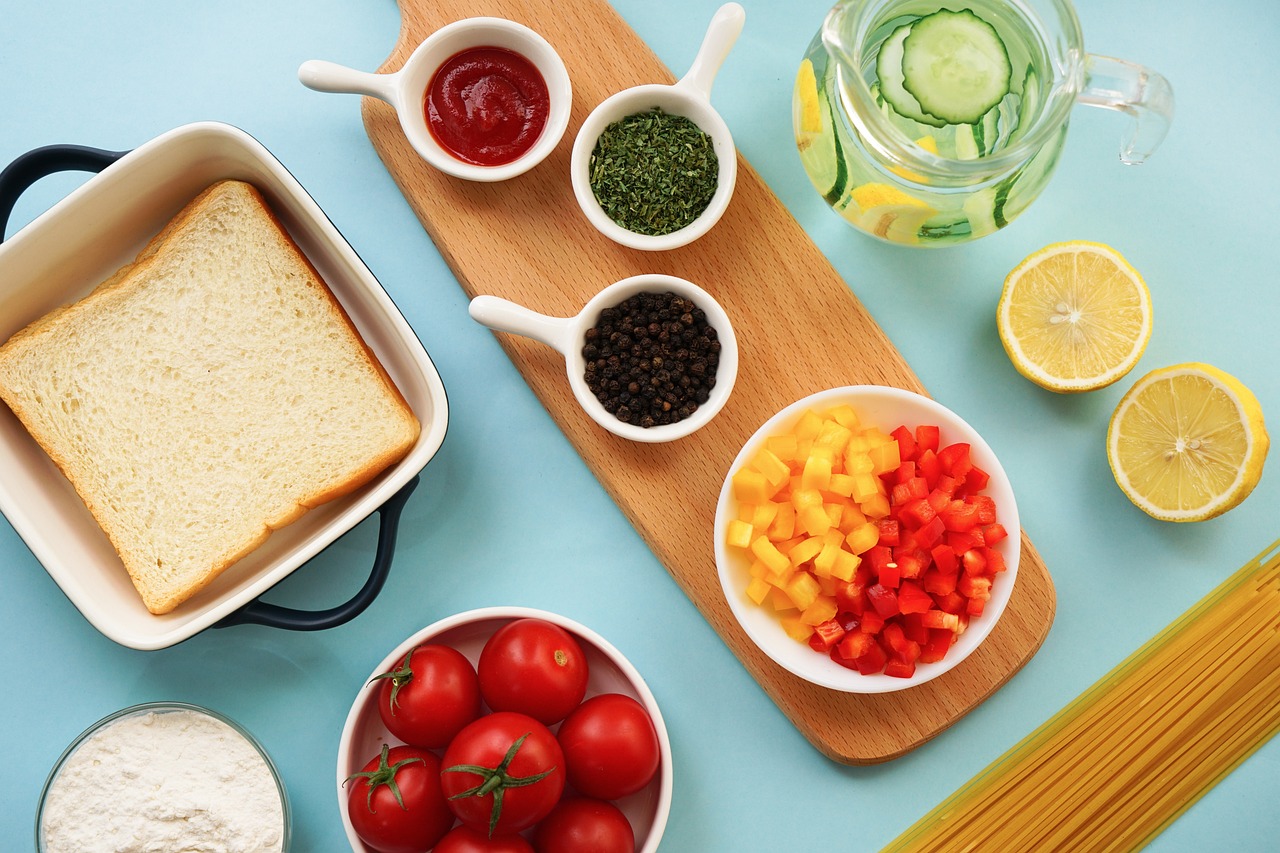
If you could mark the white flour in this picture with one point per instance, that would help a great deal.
(164, 782)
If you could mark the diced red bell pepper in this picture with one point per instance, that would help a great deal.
(889, 532)
(900, 646)
(890, 575)
(975, 480)
(872, 622)
(973, 563)
(849, 597)
(912, 598)
(944, 559)
(911, 561)
(931, 533)
(929, 467)
(951, 602)
(915, 629)
(900, 668)
(906, 442)
(986, 507)
(995, 561)
(825, 635)
(882, 599)
(966, 540)
(939, 583)
(916, 512)
(994, 533)
(940, 619)
(928, 438)
(959, 516)
(955, 459)
(974, 587)
(936, 647)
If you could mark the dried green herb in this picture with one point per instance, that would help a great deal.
(654, 172)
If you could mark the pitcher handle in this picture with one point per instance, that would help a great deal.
(1136, 90)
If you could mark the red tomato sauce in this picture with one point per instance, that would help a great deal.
(487, 105)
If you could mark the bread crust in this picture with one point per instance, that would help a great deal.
(20, 366)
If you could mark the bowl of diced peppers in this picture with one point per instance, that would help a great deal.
(867, 539)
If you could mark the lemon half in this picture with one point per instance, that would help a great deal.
(1187, 442)
(1074, 316)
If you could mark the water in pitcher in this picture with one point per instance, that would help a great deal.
(894, 129)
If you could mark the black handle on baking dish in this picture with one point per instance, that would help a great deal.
(39, 162)
(258, 612)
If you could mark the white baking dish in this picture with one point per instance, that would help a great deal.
(60, 256)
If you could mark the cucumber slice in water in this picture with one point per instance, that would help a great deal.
(955, 66)
(889, 72)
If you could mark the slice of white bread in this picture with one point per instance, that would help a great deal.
(206, 394)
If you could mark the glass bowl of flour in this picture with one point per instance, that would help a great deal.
(164, 776)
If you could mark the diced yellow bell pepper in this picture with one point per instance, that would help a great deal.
(803, 589)
(758, 590)
(784, 523)
(863, 537)
(782, 446)
(780, 600)
(796, 629)
(845, 566)
(776, 472)
(814, 520)
(820, 611)
(769, 554)
(876, 506)
(763, 515)
(750, 486)
(805, 551)
(841, 484)
(845, 415)
(817, 471)
(865, 487)
(738, 534)
(809, 425)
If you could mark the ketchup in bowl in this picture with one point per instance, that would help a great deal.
(487, 105)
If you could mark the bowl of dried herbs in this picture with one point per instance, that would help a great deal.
(654, 166)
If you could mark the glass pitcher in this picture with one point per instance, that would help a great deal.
(930, 122)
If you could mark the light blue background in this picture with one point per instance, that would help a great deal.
(508, 514)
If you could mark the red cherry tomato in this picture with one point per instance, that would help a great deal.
(503, 773)
(610, 746)
(396, 804)
(584, 825)
(533, 667)
(430, 696)
(464, 839)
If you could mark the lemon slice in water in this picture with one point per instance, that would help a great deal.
(1074, 316)
(1187, 442)
(816, 137)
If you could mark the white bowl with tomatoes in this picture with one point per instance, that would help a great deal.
(928, 566)
(505, 729)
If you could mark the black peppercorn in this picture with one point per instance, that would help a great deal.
(652, 359)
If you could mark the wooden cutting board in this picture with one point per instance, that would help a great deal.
(526, 240)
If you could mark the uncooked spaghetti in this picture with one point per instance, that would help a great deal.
(1124, 759)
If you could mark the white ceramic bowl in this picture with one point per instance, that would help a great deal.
(66, 251)
(689, 97)
(609, 672)
(159, 708)
(568, 334)
(406, 89)
(886, 408)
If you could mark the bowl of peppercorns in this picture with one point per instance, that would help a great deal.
(650, 358)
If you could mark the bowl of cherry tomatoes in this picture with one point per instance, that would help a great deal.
(867, 539)
(504, 730)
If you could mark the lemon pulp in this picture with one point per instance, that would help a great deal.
(1187, 442)
(1074, 316)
